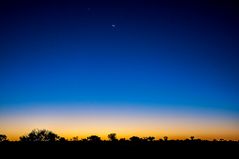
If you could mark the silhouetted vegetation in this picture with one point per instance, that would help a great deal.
(150, 138)
(112, 137)
(3, 138)
(135, 139)
(192, 137)
(40, 136)
(40, 142)
(165, 138)
(76, 138)
(44, 135)
(94, 138)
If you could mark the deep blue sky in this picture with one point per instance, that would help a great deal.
(160, 53)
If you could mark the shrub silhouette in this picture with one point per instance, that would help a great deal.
(192, 138)
(122, 139)
(150, 138)
(62, 139)
(3, 138)
(76, 138)
(40, 136)
(221, 140)
(135, 139)
(165, 138)
(94, 138)
(112, 137)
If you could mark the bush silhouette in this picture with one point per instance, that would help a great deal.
(93, 138)
(112, 137)
(135, 139)
(221, 140)
(192, 137)
(62, 139)
(40, 136)
(3, 138)
(122, 139)
(165, 138)
(150, 138)
(76, 138)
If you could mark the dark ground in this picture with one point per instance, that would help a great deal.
(120, 150)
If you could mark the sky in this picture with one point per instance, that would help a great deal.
(145, 67)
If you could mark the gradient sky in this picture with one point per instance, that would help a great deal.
(131, 67)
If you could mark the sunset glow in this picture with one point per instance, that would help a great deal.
(126, 121)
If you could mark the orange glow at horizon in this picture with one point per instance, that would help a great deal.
(124, 122)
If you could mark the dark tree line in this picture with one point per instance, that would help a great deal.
(44, 135)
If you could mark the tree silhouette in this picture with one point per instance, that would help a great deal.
(165, 138)
(192, 138)
(135, 139)
(221, 139)
(122, 139)
(76, 138)
(62, 139)
(39, 136)
(150, 138)
(3, 138)
(112, 137)
(94, 138)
